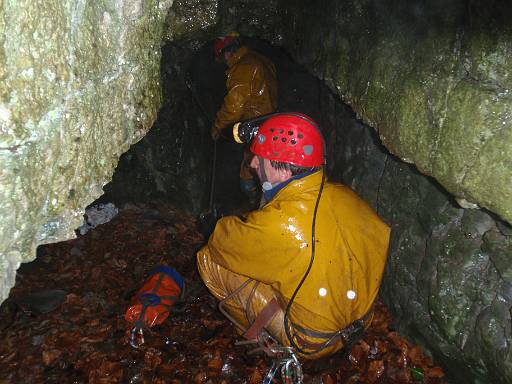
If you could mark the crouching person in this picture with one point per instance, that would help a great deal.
(306, 266)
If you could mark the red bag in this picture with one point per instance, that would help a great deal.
(152, 304)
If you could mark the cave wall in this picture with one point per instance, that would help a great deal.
(79, 84)
(433, 78)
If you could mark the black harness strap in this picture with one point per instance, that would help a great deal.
(347, 335)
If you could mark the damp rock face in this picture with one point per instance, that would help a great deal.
(448, 278)
(79, 84)
(434, 79)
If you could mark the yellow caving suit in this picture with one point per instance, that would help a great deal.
(272, 246)
(252, 91)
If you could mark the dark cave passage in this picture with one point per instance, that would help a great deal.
(173, 161)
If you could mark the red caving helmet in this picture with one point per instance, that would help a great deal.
(290, 138)
(223, 42)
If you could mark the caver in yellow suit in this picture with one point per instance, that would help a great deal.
(251, 88)
(271, 248)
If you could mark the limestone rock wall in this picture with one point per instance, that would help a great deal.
(434, 78)
(79, 83)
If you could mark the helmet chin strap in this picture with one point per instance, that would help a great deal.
(265, 184)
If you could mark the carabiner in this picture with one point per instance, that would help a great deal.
(137, 337)
(291, 371)
(271, 373)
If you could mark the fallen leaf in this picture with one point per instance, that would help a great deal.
(434, 372)
(375, 370)
(50, 356)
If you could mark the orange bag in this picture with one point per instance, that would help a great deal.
(152, 304)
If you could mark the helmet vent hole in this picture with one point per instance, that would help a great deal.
(300, 136)
(272, 129)
(290, 133)
(274, 138)
(281, 131)
(283, 139)
(293, 142)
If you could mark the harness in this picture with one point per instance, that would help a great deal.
(347, 335)
(284, 359)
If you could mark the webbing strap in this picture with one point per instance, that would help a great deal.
(263, 319)
(140, 323)
(347, 335)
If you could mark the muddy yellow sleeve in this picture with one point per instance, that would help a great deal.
(239, 92)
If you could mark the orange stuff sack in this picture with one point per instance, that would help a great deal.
(152, 304)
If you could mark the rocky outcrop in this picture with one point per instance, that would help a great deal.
(433, 78)
(79, 85)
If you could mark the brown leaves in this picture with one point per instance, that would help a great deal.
(375, 370)
(50, 356)
(383, 356)
(86, 339)
(107, 373)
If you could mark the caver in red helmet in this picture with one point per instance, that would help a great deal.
(223, 42)
(290, 138)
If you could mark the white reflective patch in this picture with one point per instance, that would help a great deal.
(322, 292)
(351, 294)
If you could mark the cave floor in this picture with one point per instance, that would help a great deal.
(86, 339)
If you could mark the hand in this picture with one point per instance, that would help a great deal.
(215, 133)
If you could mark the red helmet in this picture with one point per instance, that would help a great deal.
(223, 42)
(290, 138)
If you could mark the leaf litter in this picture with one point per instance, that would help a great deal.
(80, 336)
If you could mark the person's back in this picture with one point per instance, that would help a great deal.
(251, 84)
(350, 253)
(260, 74)
(351, 244)
(252, 88)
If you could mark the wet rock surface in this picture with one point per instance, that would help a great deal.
(433, 78)
(79, 85)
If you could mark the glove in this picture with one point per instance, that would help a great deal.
(207, 222)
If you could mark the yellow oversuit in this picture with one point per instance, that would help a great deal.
(272, 246)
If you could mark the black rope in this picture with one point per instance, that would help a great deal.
(312, 259)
